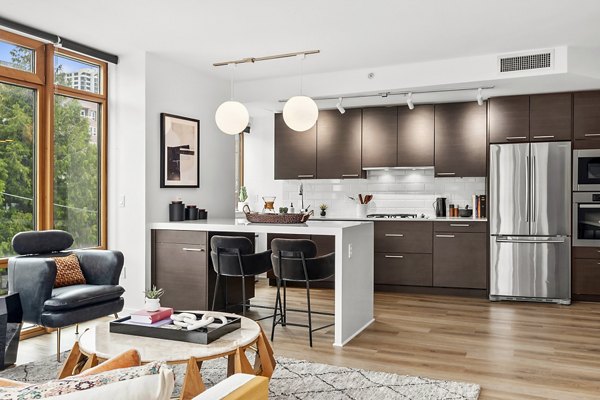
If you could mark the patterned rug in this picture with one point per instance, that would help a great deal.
(298, 379)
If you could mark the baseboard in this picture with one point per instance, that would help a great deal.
(476, 293)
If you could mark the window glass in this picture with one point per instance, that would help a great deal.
(76, 74)
(17, 57)
(76, 170)
(17, 135)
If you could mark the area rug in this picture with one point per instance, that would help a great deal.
(298, 379)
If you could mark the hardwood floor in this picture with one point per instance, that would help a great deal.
(513, 350)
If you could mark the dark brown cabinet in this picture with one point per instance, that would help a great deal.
(379, 137)
(416, 136)
(460, 140)
(339, 144)
(295, 152)
(460, 259)
(586, 119)
(403, 269)
(586, 273)
(550, 116)
(509, 119)
(403, 237)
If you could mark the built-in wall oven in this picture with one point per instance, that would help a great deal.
(586, 170)
(586, 219)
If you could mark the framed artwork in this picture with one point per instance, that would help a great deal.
(179, 152)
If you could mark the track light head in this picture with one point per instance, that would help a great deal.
(339, 106)
(480, 96)
(409, 101)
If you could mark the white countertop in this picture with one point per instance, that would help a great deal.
(323, 226)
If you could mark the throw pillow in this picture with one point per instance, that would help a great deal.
(68, 271)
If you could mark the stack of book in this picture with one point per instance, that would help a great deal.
(151, 318)
(480, 206)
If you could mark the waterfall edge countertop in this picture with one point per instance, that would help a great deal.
(354, 272)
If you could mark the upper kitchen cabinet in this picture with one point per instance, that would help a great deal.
(509, 119)
(586, 106)
(460, 139)
(379, 137)
(295, 152)
(339, 144)
(550, 116)
(416, 136)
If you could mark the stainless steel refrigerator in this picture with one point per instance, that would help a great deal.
(529, 216)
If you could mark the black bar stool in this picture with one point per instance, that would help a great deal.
(295, 260)
(234, 256)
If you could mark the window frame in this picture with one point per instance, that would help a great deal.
(42, 80)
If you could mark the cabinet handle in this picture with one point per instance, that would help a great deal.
(446, 173)
(591, 134)
(305, 176)
(192, 249)
(466, 225)
(444, 236)
(516, 137)
(543, 137)
(349, 175)
(388, 256)
(394, 234)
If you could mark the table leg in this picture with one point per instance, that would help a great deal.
(74, 359)
(241, 363)
(192, 383)
(230, 365)
(91, 362)
(265, 355)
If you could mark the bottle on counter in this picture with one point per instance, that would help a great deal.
(292, 210)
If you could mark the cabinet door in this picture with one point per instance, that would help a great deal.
(181, 270)
(339, 144)
(379, 137)
(403, 269)
(550, 116)
(415, 136)
(460, 260)
(586, 276)
(403, 237)
(586, 106)
(460, 139)
(509, 119)
(295, 152)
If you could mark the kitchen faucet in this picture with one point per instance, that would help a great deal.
(301, 193)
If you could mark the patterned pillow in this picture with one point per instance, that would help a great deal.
(78, 384)
(68, 271)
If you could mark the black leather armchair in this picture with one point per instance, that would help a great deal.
(33, 272)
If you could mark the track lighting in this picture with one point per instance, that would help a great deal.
(480, 96)
(339, 106)
(409, 102)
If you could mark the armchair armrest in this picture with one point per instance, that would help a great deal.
(33, 278)
(100, 267)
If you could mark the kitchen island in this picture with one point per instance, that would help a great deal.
(354, 250)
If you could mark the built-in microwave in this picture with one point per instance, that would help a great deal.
(586, 219)
(586, 170)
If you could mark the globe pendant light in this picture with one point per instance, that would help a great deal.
(232, 117)
(300, 113)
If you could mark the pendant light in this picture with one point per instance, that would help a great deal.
(300, 113)
(232, 117)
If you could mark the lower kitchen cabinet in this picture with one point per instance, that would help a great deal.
(403, 269)
(586, 273)
(181, 265)
(460, 260)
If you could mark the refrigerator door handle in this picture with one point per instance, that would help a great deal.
(528, 241)
(527, 188)
(533, 190)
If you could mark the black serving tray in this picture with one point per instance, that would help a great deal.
(204, 335)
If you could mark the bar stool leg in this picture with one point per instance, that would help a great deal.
(309, 313)
(284, 316)
(243, 295)
(215, 293)
(277, 308)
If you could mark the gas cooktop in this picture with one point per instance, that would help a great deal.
(392, 216)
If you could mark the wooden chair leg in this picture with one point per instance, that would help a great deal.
(192, 383)
(74, 358)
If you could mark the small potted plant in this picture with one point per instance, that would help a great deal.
(323, 208)
(242, 198)
(152, 302)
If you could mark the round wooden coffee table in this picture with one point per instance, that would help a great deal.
(98, 344)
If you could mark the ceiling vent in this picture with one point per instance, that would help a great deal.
(537, 60)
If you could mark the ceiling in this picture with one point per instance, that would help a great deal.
(350, 33)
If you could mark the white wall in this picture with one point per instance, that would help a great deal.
(126, 170)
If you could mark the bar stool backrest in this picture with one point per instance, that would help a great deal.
(296, 260)
(234, 256)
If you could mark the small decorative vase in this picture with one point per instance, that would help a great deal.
(361, 210)
(152, 304)
(323, 213)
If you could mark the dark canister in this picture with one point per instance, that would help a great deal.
(202, 213)
(191, 212)
(176, 211)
